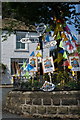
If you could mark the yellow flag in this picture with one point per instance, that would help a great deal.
(38, 54)
(65, 39)
(73, 73)
(38, 46)
(64, 36)
(69, 67)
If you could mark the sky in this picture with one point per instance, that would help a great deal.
(72, 28)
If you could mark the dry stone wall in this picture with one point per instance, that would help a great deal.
(62, 104)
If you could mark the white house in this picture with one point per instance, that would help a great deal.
(13, 50)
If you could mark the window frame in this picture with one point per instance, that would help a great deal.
(26, 45)
(17, 60)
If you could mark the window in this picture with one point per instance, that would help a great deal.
(19, 36)
(16, 64)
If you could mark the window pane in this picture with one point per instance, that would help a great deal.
(22, 45)
(17, 45)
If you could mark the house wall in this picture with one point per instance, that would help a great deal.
(8, 51)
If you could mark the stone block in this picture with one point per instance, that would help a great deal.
(22, 100)
(26, 109)
(74, 110)
(41, 110)
(29, 101)
(69, 102)
(51, 110)
(14, 100)
(18, 109)
(40, 94)
(46, 101)
(37, 101)
(33, 109)
(62, 110)
(26, 94)
(56, 101)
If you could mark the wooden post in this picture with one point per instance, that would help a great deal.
(33, 82)
(50, 77)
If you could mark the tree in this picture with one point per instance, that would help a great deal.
(36, 12)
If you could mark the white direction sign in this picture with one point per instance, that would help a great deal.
(41, 28)
(25, 40)
(30, 40)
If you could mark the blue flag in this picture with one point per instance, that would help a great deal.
(29, 67)
(32, 54)
(47, 38)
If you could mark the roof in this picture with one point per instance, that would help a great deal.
(16, 25)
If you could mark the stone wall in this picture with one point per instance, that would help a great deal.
(62, 104)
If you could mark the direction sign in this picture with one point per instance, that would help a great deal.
(41, 28)
(29, 40)
(25, 40)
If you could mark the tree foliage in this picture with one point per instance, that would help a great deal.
(36, 12)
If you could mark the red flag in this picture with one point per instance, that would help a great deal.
(66, 63)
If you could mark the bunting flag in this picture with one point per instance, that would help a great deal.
(66, 28)
(38, 46)
(66, 63)
(73, 73)
(57, 29)
(24, 65)
(71, 47)
(76, 54)
(69, 36)
(47, 38)
(61, 51)
(61, 44)
(58, 36)
(63, 36)
(65, 39)
(69, 67)
(29, 67)
(32, 54)
(73, 37)
(65, 55)
(38, 54)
